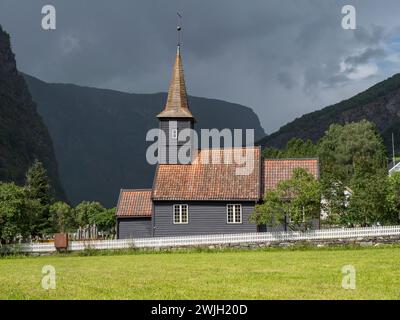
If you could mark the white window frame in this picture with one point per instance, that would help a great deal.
(174, 134)
(180, 213)
(234, 206)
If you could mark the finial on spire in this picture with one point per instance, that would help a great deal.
(177, 105)
(179, 28)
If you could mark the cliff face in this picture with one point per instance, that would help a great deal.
(100, 135)
(23, 135)
(379, 104)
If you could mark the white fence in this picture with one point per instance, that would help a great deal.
(201, 240)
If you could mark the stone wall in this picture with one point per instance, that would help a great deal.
(356, 242)
(362, 242)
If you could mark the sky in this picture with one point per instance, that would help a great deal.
(281, 58)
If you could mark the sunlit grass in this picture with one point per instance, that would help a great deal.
(260, 274)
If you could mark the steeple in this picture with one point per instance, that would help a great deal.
(176, 120)
(177, 104)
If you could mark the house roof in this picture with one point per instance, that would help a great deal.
(134, 203)
(394, 168)
(208, 180)
(276, 170)
(177, 103)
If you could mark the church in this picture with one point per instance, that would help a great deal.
(199, 197)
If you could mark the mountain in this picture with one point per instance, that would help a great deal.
(23, 135)
(99, 135)
(379, 104)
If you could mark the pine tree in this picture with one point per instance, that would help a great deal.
(37, 186)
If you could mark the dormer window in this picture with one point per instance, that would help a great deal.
(174, 134)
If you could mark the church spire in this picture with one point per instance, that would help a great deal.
(177, 103)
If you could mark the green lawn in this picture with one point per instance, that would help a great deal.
(262, 274)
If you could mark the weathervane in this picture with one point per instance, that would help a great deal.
(179, 28)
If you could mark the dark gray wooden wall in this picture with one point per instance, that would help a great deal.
(134, 227)
(204, 218)
(180, 125)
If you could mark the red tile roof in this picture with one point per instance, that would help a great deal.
(134, 203)
(276, 170)
(207, 181)
(212, 181)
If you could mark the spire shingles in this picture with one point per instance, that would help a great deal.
(177, 103)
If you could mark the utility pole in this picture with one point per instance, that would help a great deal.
(394, 156)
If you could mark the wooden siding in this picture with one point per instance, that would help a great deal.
(204, 218)
(180, 125)
(164, 126)
(134, 227)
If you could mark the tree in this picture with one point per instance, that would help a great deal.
(295, 148)
(271, 211)
(86, 212)
(37, 187)
(89, 213)
(367, 204)
(105, 220)
(62, 217)
(37, 183)
(271, 153)
(335, 202)
(393, 198)
(295, 201)
(343, 146)
(15, 209)
(353, 155)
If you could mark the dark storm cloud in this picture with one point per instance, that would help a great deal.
(374, 36)
(364, 57)
(282, 58)
(286, 79)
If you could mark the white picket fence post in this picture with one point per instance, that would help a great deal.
(217, 239)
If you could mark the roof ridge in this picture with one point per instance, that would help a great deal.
(297, 159)
(148, 189)
(244, 147)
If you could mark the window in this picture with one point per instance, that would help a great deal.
(174, 134)
(181, 214)
(234, 213)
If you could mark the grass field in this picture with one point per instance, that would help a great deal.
(261, 274)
